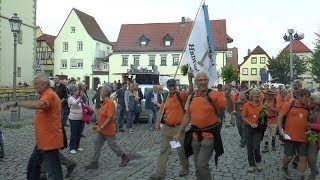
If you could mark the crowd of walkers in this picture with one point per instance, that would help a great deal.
(193, 117)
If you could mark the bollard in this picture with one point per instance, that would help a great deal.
(19, 110)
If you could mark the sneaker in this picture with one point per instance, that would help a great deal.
(183, 173)
(124, 161)
(242, 145)
(265, 150)
(82, 135)
(258, 167)
(251, 169)
(92, 165)
(73, 151)
(80, 149)
(131, 131)
(286, 173)
(156, 177)
(70, 169)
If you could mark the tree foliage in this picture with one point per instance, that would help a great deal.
(315, 61)
(229, 73)
(279, 67)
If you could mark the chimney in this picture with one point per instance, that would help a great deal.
(183, 20)
(249, 51)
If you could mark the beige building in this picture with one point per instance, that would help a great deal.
(304, 54)
(254, 64)
(151, 52)
(26, 11)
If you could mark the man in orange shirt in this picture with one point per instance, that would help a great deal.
(173, 109)
(106, 130)
(272, 113)
(294, 131)
(204, 120)
(297, 85)
(48, 130)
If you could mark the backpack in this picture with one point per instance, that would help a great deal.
(164, 112)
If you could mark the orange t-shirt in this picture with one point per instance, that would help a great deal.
(271, 115)
(107, 110)
(202, 113)
(288, 97)
(251, 112)
(173, 110)
(280, 102)
(296, 121)
(47, 125)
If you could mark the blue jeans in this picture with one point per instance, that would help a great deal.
(76, 126)
(152, 117)
(121, 112)
(130, 118)
(51, 161)
(65, 114)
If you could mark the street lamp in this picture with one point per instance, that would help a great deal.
(290, 37)
(92, 66)
(15, 24)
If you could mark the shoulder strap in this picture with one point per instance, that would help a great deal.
(179, 98)
(208, 97)
(274, 102)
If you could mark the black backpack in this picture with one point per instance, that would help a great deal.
(164, 109)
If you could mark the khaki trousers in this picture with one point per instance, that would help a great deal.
(167, 135)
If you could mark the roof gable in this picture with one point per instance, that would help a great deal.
(49, 39)
(128, 39)
(297, 47)
(257, 50)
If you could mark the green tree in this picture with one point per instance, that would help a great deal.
(279, 67)
(315, 61)
(229, 73)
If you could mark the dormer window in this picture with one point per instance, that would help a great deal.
(73, 29)
(144, 41)
(167, 40)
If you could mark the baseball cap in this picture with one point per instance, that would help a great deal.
(171, 82)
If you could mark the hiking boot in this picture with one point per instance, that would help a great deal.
(251, 169)
(286, 173)
(70, 169)
(156, 177)
(266, 149)
(258, 167)
(183, 173)
(125, 160)
(92, 165)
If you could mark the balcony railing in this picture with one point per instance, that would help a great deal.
(100, 54)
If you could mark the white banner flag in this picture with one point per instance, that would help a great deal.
(198, 54)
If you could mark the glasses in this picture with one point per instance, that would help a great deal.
(203, 80)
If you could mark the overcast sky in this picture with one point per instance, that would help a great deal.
(249, 22)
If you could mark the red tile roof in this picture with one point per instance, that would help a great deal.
(297, 47)
(49, 39)
(257, 50)
(91, 26)
(233, 59)
(128, 39)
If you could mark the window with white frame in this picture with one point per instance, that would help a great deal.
(245, 71)
(76, 63)
(151, 61)
(163, 61)
(262, 60)
(106, 66)
(167, 43)
(143, 43)
(63, 64)
(136, 61)
(253, 71)
(65, 46)
(125, 61)
(175, 61)
(254, 60)
(73, 29)
(80, 46)
(19, 72)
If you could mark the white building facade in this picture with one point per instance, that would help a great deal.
(82, 50)
(26, 11)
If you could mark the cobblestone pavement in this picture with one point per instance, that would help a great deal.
(143, 149)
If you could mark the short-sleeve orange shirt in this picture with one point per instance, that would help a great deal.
(271, 115)
(202, 113)
(251, 112)
(280, 102)
(296, 121)
(48, 126)
(173, 108)
(107, 110)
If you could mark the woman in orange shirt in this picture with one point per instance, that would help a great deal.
(252, 133)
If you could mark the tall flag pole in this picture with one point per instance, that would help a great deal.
(200, 52)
